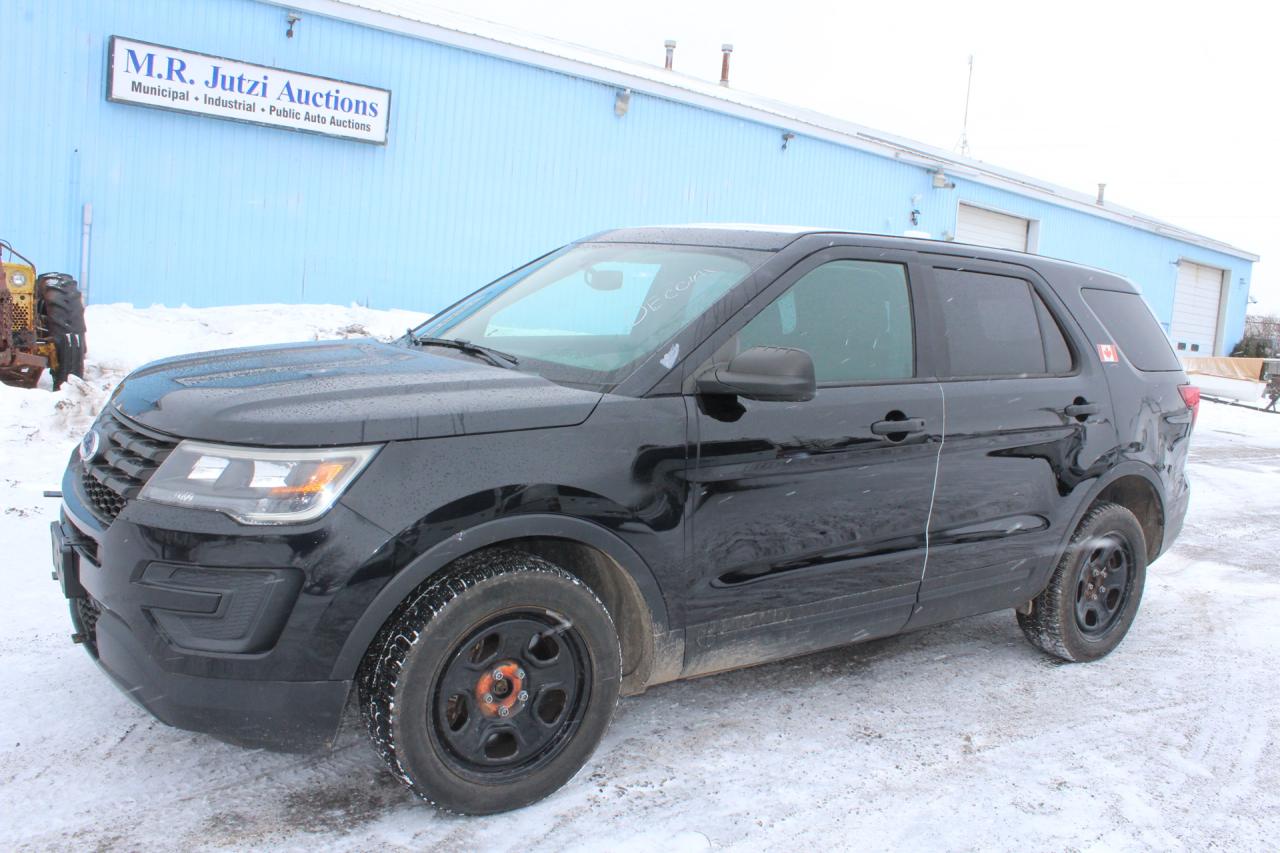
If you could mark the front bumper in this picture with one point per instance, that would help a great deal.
(212, 626)
(294, 716)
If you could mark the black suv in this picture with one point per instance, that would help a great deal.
(653, 454)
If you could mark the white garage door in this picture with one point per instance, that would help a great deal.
(1196, 305)
(988, 228)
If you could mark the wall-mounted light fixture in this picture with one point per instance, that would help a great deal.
(941, 181)
(622, 102)
(292, 19)
(786, 138)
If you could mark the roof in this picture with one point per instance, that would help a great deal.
(768, 238)
(411, 18)
(775, 237)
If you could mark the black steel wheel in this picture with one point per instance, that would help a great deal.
(512, 694)
(1094, 593)
(492, 686)
(1103, 586)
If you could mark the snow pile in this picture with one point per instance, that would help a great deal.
(122, 338)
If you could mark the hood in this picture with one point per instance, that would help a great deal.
(341, 392)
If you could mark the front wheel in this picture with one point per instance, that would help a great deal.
(1094, 593)
(493, 686)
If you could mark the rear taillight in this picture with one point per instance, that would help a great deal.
(1191, 396)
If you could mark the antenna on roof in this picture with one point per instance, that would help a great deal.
(964, 128)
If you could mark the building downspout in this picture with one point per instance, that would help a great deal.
(86, 230)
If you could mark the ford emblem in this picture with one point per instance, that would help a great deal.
(89, 445)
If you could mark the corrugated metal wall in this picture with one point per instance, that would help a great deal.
(489, 163)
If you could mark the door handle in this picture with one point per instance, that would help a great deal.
(907, 426)
(1081, 410)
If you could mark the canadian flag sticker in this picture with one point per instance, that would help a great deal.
(1107, 352)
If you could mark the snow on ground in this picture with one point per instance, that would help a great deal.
(956, 738)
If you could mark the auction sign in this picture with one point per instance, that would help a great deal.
(152, 75)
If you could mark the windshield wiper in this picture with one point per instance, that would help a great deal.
(493, 356)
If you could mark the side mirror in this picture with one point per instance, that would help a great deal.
(772, 374)
(604, 279)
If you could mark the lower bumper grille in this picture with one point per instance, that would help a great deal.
(88, 611)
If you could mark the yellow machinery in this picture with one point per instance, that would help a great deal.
(41, 323)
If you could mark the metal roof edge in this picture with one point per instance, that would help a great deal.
(462, 31)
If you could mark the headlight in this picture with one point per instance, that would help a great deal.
(256, 485)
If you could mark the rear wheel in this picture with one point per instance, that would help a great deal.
(64, 320)
(1094, 593)
(493, 686)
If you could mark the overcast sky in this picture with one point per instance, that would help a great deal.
(1175, 106)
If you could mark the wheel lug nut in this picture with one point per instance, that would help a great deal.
(503, 711)
(488, 698)
(523, 695)
(497, 675)
(519, 673)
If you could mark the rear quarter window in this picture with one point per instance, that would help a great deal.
(1133, 328)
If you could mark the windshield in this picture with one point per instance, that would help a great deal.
(586, 315)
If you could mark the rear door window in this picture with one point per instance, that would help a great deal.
(1133, 328)
(997, 326)
(1057, 353)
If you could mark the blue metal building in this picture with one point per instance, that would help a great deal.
(499, 146)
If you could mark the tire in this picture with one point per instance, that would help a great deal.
(64, 318)
(434, 706)
(1078, 617)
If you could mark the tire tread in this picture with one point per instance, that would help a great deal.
(1045, 626)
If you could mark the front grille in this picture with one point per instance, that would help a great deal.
(126, 460)
(105, 503)
(22, 312)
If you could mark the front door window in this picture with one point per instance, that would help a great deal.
(852, 317)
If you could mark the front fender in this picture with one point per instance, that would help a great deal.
(542, 525)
